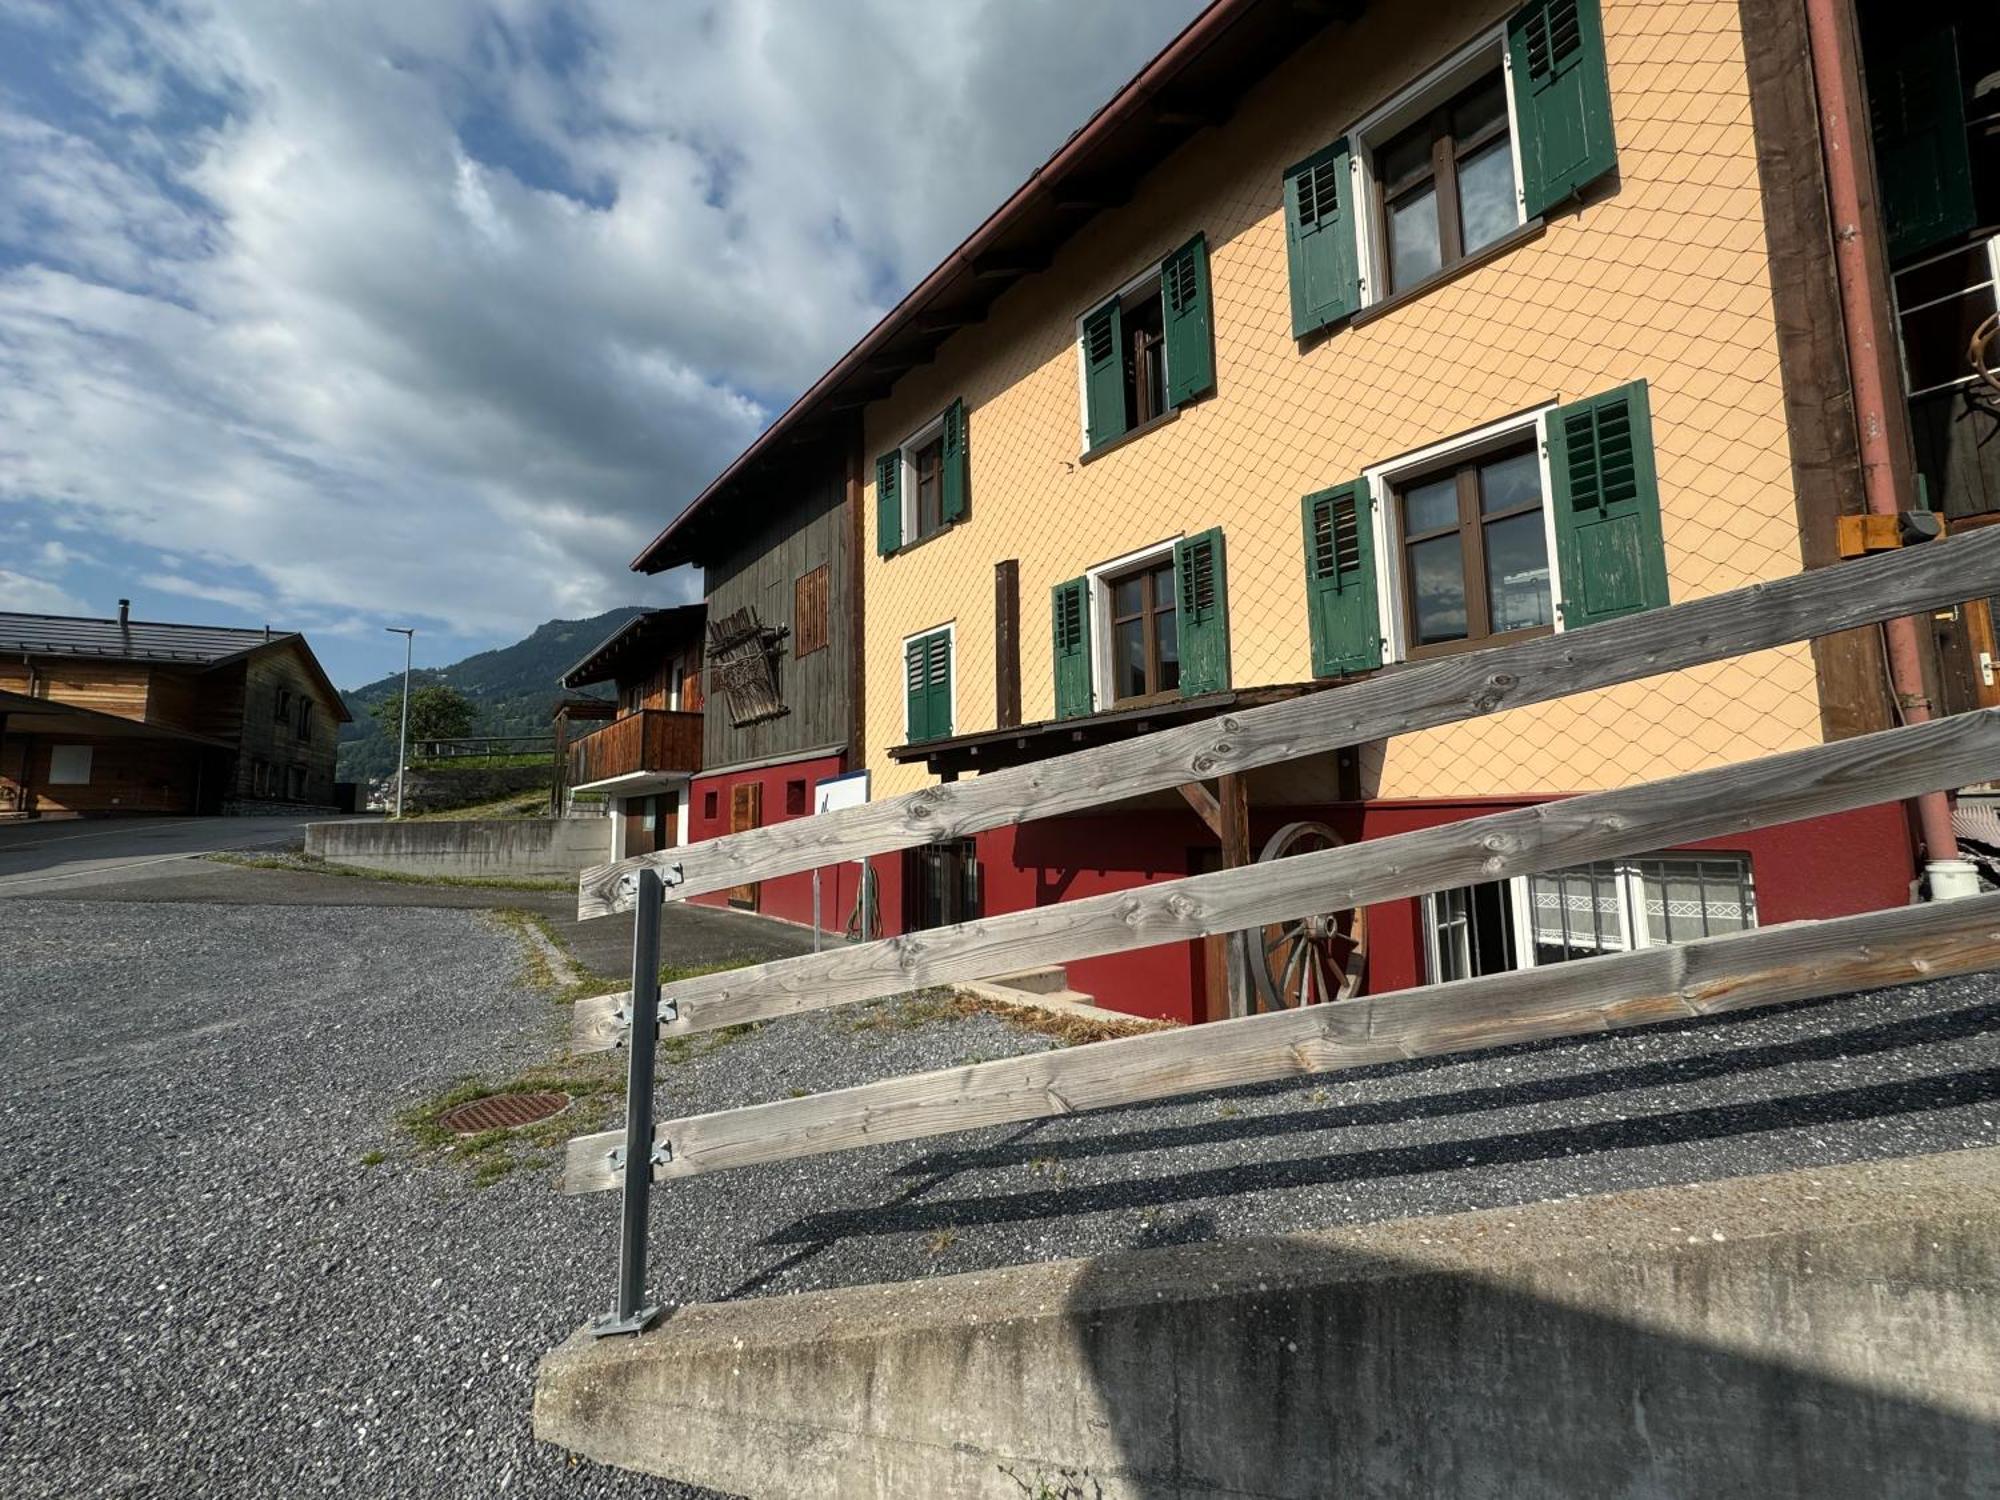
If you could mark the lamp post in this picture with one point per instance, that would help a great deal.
(409, 635)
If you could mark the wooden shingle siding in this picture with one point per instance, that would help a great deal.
(798, 532)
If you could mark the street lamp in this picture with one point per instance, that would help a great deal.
(409, 635)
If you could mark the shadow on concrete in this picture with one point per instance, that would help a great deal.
(1718, 1370)
(1862, 1041)
(1677, 1127)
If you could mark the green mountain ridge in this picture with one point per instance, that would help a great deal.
(513, 687)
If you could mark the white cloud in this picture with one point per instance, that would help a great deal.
(20, 594)
(444, 308)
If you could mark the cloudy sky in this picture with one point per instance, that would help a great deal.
(343, 313)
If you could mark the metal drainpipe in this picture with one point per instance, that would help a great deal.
(1870, 368)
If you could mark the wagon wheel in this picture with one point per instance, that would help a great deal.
(1315, 958)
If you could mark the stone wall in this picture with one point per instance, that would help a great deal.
(503, 848)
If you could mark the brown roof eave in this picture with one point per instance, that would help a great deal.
(1117, 112)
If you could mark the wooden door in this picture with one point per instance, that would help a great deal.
(746, 807)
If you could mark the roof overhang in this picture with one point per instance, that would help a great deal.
(634, 783)
(641, 638)
(22, 714)
(1195, 82)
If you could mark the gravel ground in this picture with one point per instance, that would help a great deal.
(203, 1290)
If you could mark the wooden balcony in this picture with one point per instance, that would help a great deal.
(653, 739)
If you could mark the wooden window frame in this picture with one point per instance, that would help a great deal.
(1148, 285)
(1436, 88)
(1440, 170)
(1154, 564)
(908, 455)
(811, 608)
(1464, 465)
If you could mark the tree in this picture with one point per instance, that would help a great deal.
(438, 711)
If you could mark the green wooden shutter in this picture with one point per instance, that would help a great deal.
(927, 685)
(1190, 334)
(957, 464)
(1922, 157)
(1319, 240)
(1104, 374)
(889, 502)
(1562, 99)
(1201, 592)
(1340, 580)
(1607, 507)
(1070, 629)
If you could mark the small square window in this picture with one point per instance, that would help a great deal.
(711, 806)
(795, 796)
(69, 765)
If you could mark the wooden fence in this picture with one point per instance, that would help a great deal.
(1760, 967)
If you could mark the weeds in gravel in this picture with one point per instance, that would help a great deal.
(593, 1083)
(373, 1158)
(550, 966)
(313, 865)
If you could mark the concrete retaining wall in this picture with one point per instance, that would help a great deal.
(1825, 1333)
(513, 848)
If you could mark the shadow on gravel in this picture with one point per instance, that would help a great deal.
(1679, 1127)
(1311, 1370)
(1666, 1073)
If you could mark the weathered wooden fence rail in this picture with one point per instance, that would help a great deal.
(1823, 779)
(1420, 696)
(1766, 966)
(1762, 967)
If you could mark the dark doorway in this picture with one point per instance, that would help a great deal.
(940, 885)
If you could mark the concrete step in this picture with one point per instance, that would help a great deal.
(1046, 980)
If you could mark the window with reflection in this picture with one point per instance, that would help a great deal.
(1475, 554)
(1145, 639)
(1445, 184)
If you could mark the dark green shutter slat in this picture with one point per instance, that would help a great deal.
(1609, 550)
(1562, 99)
(927, 685)
(888, 502)
(1104, 374)
(1319, 240)
(1070, 630)
(915, 704)
(1190, 332)
(957, 463)
(1201, 593)
(1340, 580)
(1922, 158)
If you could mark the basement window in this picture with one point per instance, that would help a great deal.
(1940, 303)
(1586, 910)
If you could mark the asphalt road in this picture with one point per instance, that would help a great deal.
(61, 856)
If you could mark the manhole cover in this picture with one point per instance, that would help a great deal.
(502, 1112)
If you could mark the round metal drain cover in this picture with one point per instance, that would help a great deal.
(502, 1112)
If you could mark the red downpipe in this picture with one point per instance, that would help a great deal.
(1870, 367)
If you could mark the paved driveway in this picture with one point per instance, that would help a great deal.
(54, 857)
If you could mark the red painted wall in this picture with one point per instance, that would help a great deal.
(789, 896)
(1852, 862)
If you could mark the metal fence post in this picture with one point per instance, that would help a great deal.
(636, 1156)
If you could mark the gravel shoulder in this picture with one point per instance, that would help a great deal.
(206, 1289)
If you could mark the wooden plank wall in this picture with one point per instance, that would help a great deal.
(107, 687)
(802, 528)
(126, 775)
(254, 698)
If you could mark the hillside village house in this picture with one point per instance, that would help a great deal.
(1346, 337)
(781, 674)
(135, 716)
(643, 757)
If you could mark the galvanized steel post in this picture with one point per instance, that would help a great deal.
(631, 1314)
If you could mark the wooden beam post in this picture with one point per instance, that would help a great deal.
(1773, 966)
(1233, 797)
(1007, 644)
(1823, 779)
(1419, 696)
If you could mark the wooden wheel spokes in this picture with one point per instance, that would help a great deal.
(1316, 958)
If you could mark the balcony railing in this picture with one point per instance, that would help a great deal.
(653, 739)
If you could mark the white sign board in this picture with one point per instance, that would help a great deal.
(836, 792)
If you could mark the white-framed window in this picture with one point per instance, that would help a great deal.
(930, 683)
(69, 765)
(1609, 907)
(1115, 654)
(921, 456)
(1940, 301)
(1436, 170)
(1465, 540)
